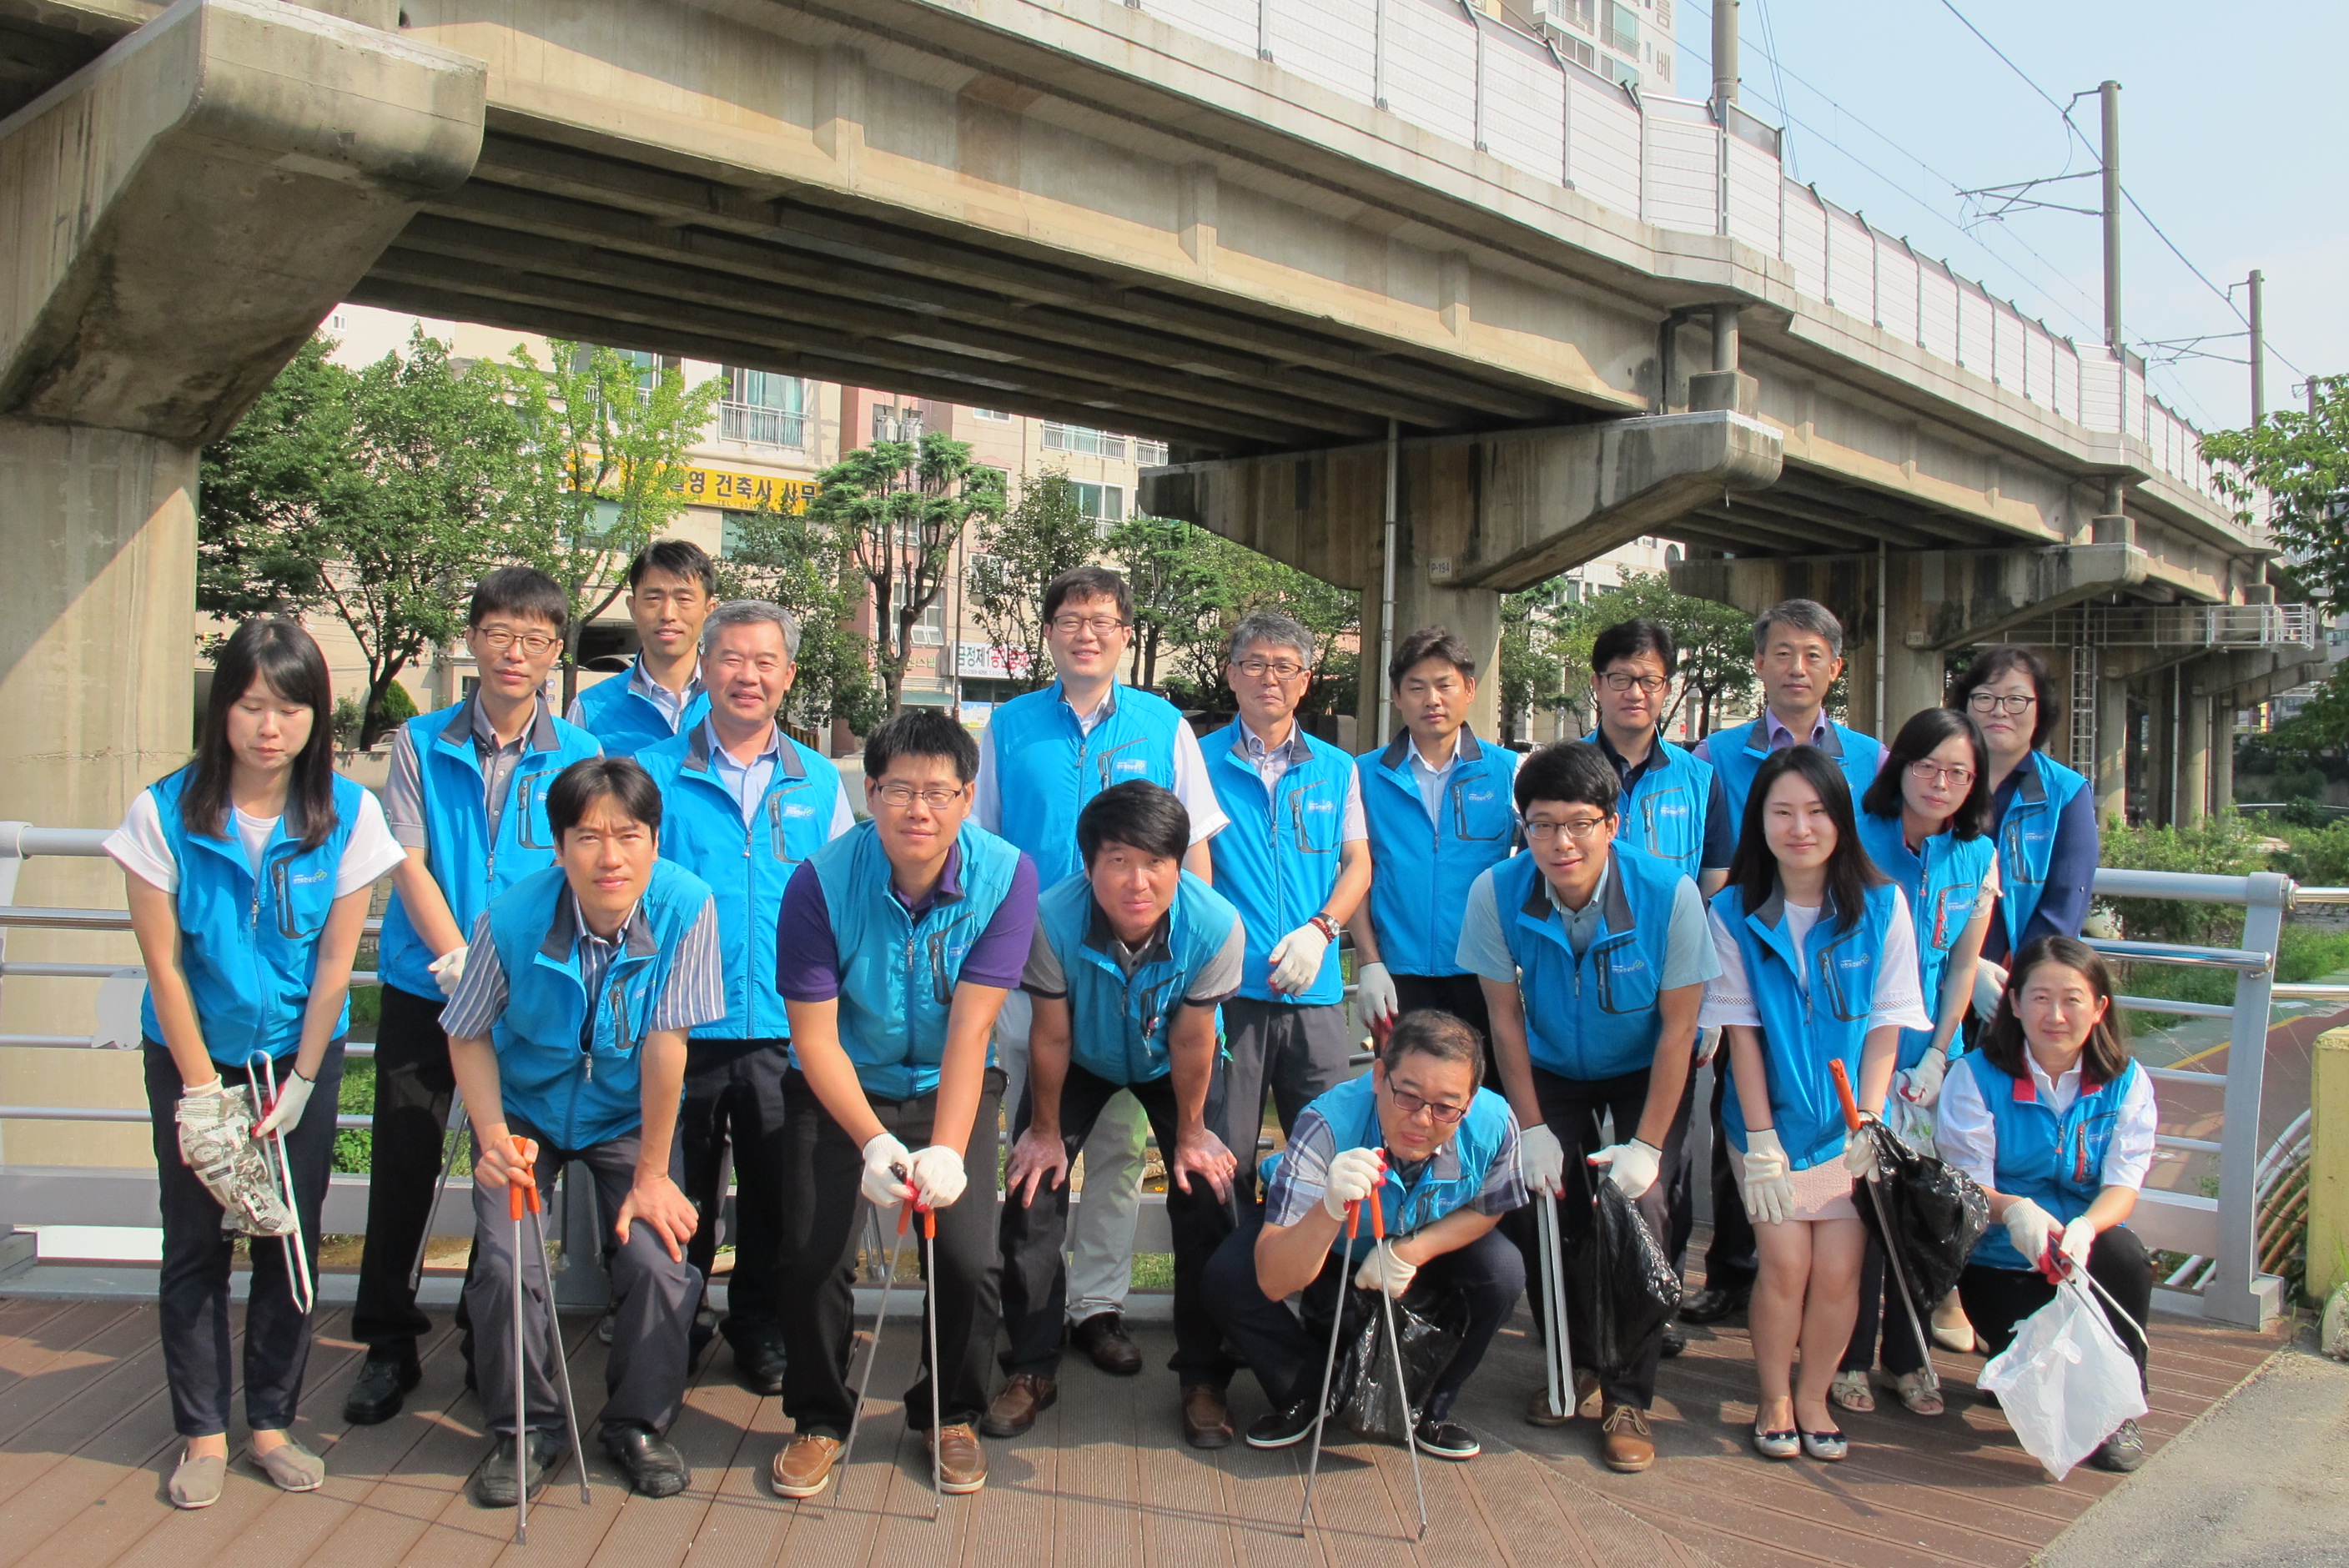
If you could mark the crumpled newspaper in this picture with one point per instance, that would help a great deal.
(216, 1140)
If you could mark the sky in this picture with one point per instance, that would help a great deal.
(2233, 130)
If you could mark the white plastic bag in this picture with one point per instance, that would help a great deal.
(2066, 1382)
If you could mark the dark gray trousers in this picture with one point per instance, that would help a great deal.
(1294, 1051)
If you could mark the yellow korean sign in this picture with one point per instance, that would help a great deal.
(743, 493)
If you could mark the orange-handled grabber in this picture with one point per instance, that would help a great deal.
(1843, 1093)
(1855, 1128)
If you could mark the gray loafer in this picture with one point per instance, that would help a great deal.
(291, 1468)
(197, 1482)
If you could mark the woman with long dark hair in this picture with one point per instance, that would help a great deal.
(248, 873)
(2043, 815)
(1921, 821)
(2055, 1120)
(1818, 966)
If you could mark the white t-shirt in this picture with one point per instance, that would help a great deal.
(139, 846)
(1900, 999)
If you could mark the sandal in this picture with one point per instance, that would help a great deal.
(1919, 1391)
(1851, 1392)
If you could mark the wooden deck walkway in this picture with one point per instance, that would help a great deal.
(1103, 1482)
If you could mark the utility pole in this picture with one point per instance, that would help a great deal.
(1725, 57)
(2110, 92)
(2259, 353)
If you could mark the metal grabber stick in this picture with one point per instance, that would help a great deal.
(905, 1213)
(1852, 1128)
(1330, 1366)
(1557, 1348)
(1395, 1340)
(930, 1318)
(281, 1174)
(555, 1338)
(450, 1134)
(521, 1367)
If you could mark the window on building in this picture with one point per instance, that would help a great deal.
(1078, 438)
(931, 631)
(1580, 52)
(1622, 30)
(1105, 504)
(994, 414)
(1619, 71)
(763, 410)
(1575, 13)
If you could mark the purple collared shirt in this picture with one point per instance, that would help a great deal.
(807, 959)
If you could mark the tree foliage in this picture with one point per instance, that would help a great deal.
(784, 559)
(1018, 553)
(2300, 458)
(1545, 646)
(268, 487)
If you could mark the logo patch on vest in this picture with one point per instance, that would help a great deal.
(1130, 764)
(1321, 805)
(799, 810)
(301, 879)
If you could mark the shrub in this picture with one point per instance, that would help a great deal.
(2224, 847)
(2318, 855)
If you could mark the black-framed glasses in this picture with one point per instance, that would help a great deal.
(498, 639)
(1099, 626)
(1992, 702)
(1279, 669)
(1410, 1104)
(1580, 832)
(1655, 686)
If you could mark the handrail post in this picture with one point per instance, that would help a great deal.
(2238, 1292)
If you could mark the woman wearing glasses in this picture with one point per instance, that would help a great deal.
(1818, 963)
(1923, 823)
(2043, 815)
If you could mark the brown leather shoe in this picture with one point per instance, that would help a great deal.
(1624, 1440)
(962, 1463)
(1028, 1396)
(1206, 1417)
(1586, 1401)
(804, 1465)
(1103, 1337)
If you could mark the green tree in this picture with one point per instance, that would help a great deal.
(1715, 643)
(2300, 460)
(1192, 587)
(1040, 536)
(898, 508)
(784, 559)
(268, 489)
(1532, 656)
(603, 442)
(1156, 555)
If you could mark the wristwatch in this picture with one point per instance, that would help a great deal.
(1325, 925)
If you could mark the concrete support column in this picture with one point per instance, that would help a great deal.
(2111, 750)
(2161, 762)
(1473, 614)
(2222, 753)
(2194, 764)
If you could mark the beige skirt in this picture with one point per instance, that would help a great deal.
(1821, 1193)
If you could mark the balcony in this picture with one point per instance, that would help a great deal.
(756, 425)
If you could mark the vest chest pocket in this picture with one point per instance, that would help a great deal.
(531, 829)
(1626, 982)
(1847, 977)
(779, 816)
(2080, 1149)
(1118, 763)
(947, 951)
(303, 898)
(1668, 822)
(1478, 794)
(2017, 840)
(1313, 818)
(1954, 908)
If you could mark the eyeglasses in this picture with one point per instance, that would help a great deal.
(1927, 771)
(1991, 702)
(1655, 686)
(498, 639)
(1099, 626)
(936, 797)
(1279, 669)
(1580, 832)
(1411, 1105)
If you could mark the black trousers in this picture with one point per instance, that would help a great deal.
(192, 1289)
(823, 1225)
(1998, 1299)
(1573, 1108)
(1462, 996)
(734, 1097)
(1036, 1270)
(413, 1087)
(1287, 1353)
(1880, 1308)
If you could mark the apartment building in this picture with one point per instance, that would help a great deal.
(1626, 41)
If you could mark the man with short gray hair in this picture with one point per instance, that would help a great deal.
(1295, 862)
(744, 805)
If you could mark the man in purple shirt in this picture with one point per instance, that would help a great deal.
(897, 944)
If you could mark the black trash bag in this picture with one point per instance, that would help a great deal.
(1621, 1289)
(1362, 1391)
(1936, 1212)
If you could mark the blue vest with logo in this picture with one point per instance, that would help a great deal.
(747, 864)
(1048, 766)
(897, 972)
(625, 720)
(2057, 1161)
(1943, 886)
(1737, 755)
(468, 868)
(248, 944)
(1446, 1181)
(567, 1060)
(1663, 811)
(1595, 1017)
(1422, 870)
(1278, 862)
(1801, 1034)
(2026, 838)
(1119, 1022)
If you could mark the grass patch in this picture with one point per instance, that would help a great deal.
(2306, 952)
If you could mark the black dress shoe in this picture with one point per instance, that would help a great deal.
(494, 1484)
(654, 1466)
(382, 1387)
(1279, 1428)
(759, 1366)
(1712, 1303)
(1103, 1337)
(1675, 1341)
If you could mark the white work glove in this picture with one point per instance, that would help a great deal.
(1769, 1195)
(884, 1188)
(1708, 1045)
(1989, 984)
(1921, 1085)
(1375, 1004)
(1859, 1152)
(937, 1175)
(2030, 1228)
(448, 971)
(2079, 1239)
(293, 1095)
(1383, 1270)
(1296, 958)
(1541, 1161)
(1632, 1166)
(1353, 1176)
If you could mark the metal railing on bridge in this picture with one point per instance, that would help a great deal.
(2218, 1237)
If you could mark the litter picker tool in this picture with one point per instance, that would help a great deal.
(555, 1338)
(930, 1321)
(280, 1178)
(452, 1136)
(897, 1252)
(1558, 1348)
(1395, 1341)
(1855, 1128)
(1330, 1366)
(515, 1201)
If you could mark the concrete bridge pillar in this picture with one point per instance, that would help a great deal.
(2194, 758)
(2111, 780)
(175, 220)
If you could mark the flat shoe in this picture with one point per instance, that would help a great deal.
(197, 1482)
(1781, 1445)
(1829, 1446)
(290, 1467)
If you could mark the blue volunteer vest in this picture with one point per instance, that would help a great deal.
(248, 944)
(747, 864)
(1737, 755)
(567, 1060)
(1422, 870)
(625, 720)
(469, 868)
(1048, 766)
(1278, 862)
(1592, 1018)
(1119, 1022)
(1663, 810)
(1448, 1180)
(2026, 838)
(1801, 1035)
(2057, 1161)
(1942, 885)
(897, 972)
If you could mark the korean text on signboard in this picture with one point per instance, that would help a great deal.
(743, 493)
